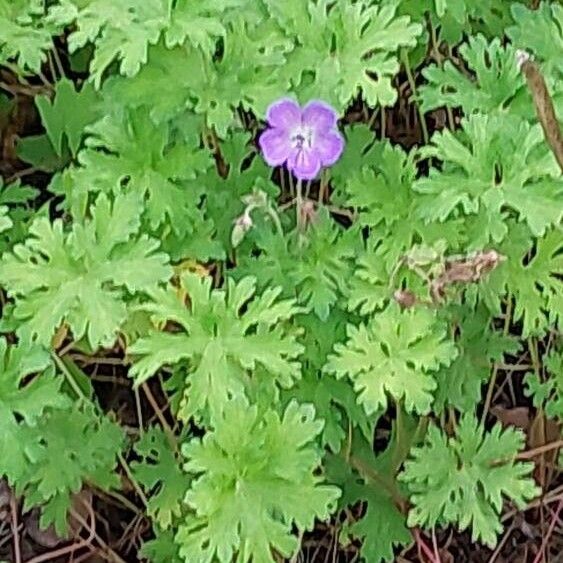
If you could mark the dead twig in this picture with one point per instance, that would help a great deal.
(555, 518)
(543, 104)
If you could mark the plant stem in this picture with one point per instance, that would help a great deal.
(299, 205)
(274, 216)
(371, 474)
(75, 387)
(440, 60)
(373, 117)
(58, 62)
(291, 186)
(154, 404)
(490, 389)
(412, 85)
(15, 529)
(132, 479)
(322, 186)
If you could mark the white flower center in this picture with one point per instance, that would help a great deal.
(302, 137)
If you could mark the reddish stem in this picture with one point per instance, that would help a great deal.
(422, 545)
(555, 518)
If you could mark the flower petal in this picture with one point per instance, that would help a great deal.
(329, 147)
(284, 114)
(319, 116)
(275, 146)
(304, 163)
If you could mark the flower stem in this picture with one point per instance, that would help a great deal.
(291, 186)
(322, 186)
(298, 205)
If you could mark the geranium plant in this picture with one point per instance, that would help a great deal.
(281, 280)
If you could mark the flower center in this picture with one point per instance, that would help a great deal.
(302, 138)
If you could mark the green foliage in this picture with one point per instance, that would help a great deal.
(5, 221)
(498, 167)
(254, 479)
(224, 194)
(159, 472)
(23, 401)
(25, 35)
(162, 549)
(349, 48)
(463, 479)
(17, 212)
(312, 338)
(540, 31)
(491, 85)
(83, 277)
(131, 150)
(316, 266)
(67, 115)
(122, 30)
(533, 283)
(40, 424)
(229, 339)
(394, 354)
(548, 393)
(85, 447)
(460, 383)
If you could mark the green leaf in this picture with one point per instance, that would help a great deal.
(460, 384)
(151, 88)
(539, 31)
(335, 404)
(394, 354)
(348, 47)
(25, 35)
(134, 152)
(162, 549)
(533, 283)
(67, 114)
(548, 393)
(227, 337)
(122, 31)
(224, 195)
(315, 266)
(85, 448)
(497, 167)
(201, 23)
(463, 480)
(16, 200)
(493, 83)
(5, 221)
(159, 471)
(23, 401)
(255, 481)
(454, 19)
(82, 277)
(38, 151)
(252, 54)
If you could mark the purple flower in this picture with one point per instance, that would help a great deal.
(304, 139)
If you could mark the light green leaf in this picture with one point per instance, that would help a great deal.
(394, 354)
